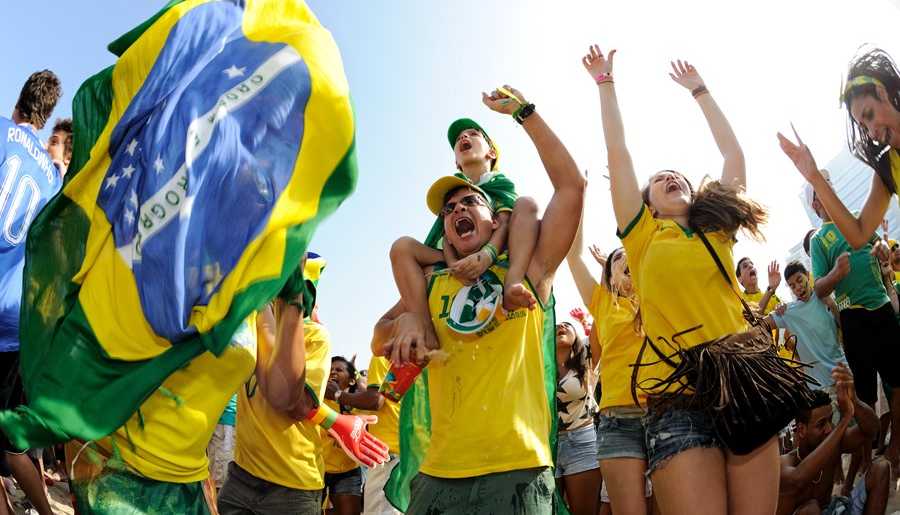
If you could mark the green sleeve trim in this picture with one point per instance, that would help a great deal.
(634, 221)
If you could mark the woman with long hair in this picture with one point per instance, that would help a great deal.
(577, 472)
(616, 340)
(872, 98)
(685, 301)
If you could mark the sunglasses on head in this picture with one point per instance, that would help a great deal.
(469, 201)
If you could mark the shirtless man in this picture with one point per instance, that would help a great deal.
(807, 472)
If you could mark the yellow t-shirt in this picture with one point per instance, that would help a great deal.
(620, 342)
(754, 298)
(389, 414)
(170, 433)
(490, 408)
(275, 447)
(679, 286)
(336, 460)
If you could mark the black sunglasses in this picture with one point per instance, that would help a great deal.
(469, 201)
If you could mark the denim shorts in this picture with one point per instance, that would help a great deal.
(620, 437)
(576, 451)
(675, 430)
(344, 483)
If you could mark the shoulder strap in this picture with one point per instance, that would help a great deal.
(748, 313)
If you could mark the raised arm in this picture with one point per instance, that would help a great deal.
(857, 231)
(734, 170)
(867, 423)
(800, 476)
(774, 281)
(584, 281)
(281, 359)
(626, 194)
(560, 219)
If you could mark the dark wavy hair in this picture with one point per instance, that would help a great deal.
(719, 207)
(38, 97)
(606, 280)
(579, 357)
(875, 63)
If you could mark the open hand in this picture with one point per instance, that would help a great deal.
(800, 155)
(598, 255)
(595, 63)
(502, 102)
(685, 75)
(774, 275)
(350, 432)
(846, 392)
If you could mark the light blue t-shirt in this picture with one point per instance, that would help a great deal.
(28, 179)
(228, 416)
(817, 340)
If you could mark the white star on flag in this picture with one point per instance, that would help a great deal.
(132, 146)
(234, 71)
(158, 164)
(111, 181)
(129, 216)
(133, 199)
(128, 171)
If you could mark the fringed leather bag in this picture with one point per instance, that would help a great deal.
(749, 391)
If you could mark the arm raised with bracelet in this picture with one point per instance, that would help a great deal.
(734, 169)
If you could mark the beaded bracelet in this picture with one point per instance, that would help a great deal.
(699, 90)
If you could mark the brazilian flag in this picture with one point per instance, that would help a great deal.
(204, 160)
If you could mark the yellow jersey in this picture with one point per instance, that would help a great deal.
(754, 298)
(336, 460)
(491, 410)
(275, 447)
(389, 414)
(620, 341)
(166, 439)
(684, 298)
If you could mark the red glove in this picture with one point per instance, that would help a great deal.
(350, 432)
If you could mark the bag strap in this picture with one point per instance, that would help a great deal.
(748, 313)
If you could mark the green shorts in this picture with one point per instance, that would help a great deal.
(518, 492)
(115, 492)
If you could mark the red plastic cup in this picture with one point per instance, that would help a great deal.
(398, 380)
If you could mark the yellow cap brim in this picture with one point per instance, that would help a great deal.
(441, 187)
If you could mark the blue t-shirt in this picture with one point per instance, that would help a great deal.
(28, 179)
(817, 337)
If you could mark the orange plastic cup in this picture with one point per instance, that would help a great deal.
(398, 380)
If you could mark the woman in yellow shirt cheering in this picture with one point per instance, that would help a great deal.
(615, 340)
(685, 301)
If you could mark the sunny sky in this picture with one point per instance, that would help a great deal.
(415, 66)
